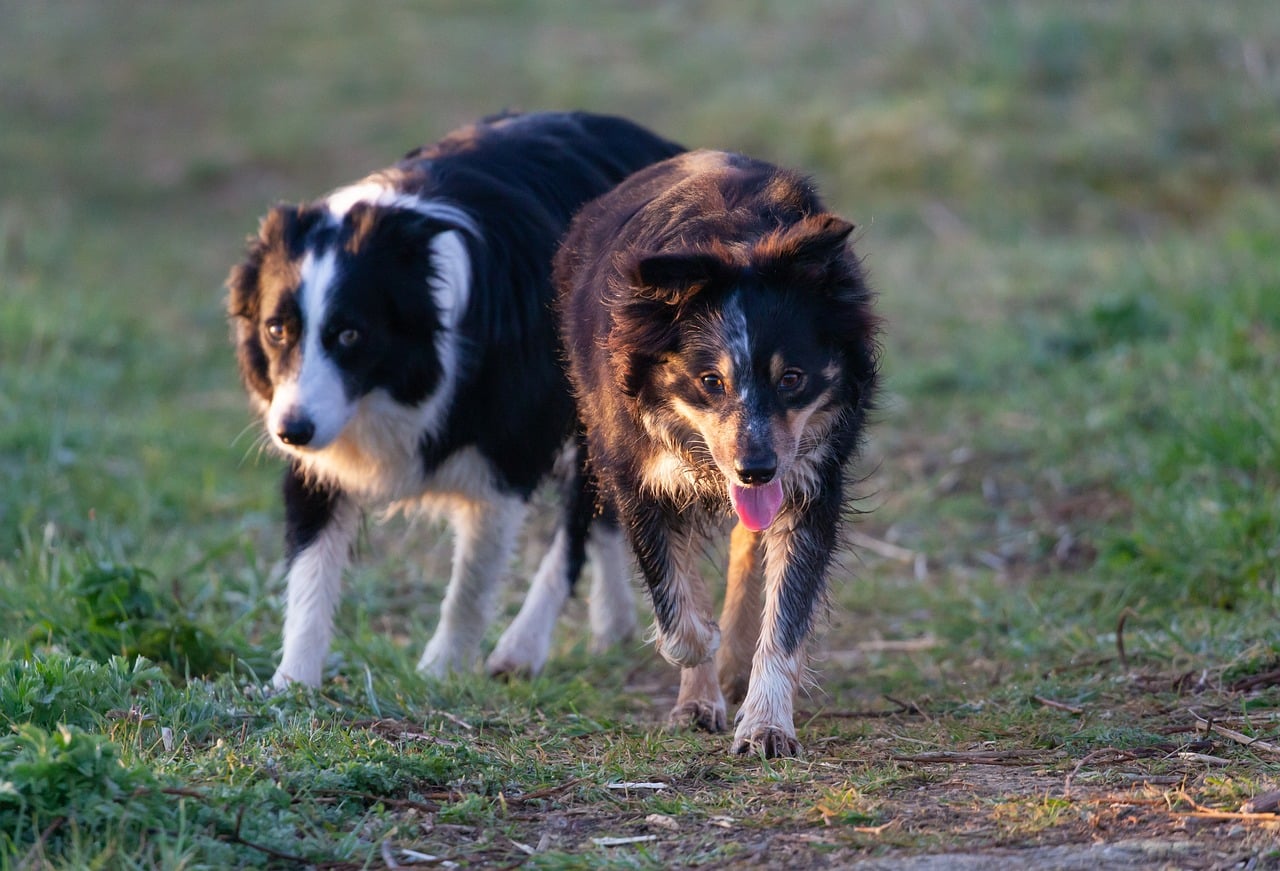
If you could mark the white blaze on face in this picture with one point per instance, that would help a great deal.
(737, 341)
(756, 505)
(315, 390)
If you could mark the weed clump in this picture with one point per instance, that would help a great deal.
(118, 611)
(67, 785)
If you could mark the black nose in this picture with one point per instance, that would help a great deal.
(296, 431)
(756, 470)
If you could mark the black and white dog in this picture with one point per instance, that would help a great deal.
(722, 347)
(398, 338)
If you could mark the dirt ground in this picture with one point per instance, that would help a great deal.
(989, 804)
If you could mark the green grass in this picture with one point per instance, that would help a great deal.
(1070, 217)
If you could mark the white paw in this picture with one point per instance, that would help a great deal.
(773, 741)
(286, 675)
(518, 656)
(440, 660)
(766, 729)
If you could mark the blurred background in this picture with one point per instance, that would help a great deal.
(1069, 212)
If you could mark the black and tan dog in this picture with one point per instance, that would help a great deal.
(721, 344)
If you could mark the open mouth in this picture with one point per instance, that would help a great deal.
(757, 505)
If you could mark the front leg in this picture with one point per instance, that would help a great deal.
(320, 526)
(740, 618)
(700, 703)
(798, 549)
(484, 537)
(661, 540)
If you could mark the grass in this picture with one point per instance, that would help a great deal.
(1069, 215)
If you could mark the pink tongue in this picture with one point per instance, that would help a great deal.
(756, 506)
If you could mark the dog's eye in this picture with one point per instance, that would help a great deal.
(791, 380)
(277, 331)
(712, 383)
(348, 338)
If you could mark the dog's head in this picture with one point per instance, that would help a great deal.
(756, 355)
(342, 300)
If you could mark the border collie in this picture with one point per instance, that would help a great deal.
(722, 347)
(398, 339)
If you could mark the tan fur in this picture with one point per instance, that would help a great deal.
(740, 619)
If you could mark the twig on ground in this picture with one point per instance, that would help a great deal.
(1229, 815)
(1202, 758)
(1206, 726)
(179, 791)
(548, 792)
(413, 857)
(1111, 754)
(28, 861)
(1124, 615)
(236, 838)
(427, 807)
(1110, 799)
(1061, 706)
(907, 708)
(1256, 681)
(882, 548)
(401, 730)
(976, 757)
(623, 841)
(874, 830)
(457, 721)
(1267, 803)
(1152, 779)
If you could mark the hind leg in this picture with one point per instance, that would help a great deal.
(524, 646)
(740, 619)
(485, 533)
(612, 606)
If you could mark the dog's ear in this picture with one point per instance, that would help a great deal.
(277, 231)
(677, 277)
(283, 229)
(805, 252)
(243, 296)
(659, 285)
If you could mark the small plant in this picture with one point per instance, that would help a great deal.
(48, 691)
(118, 612)
(53, 782)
